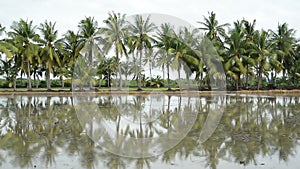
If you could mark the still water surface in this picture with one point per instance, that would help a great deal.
(50, 132)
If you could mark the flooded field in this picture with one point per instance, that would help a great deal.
(150, 131)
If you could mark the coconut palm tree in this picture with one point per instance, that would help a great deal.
(49, 53)
(248, 61)
(214, 30)
(140, 30)
(178, 51)
(190, 39)
(284, 41)
(115, 33)
(88, 31)
(204, 60)
(294, 72)
(6, 46)
(236, 52)
(25, 38)
(6, 66)
(164, 37)
(149, 58)
(63, 70)
(126, 70)
(260, 51)
(72, 47)
(108, 68)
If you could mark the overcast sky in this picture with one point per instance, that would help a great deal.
(67, 13)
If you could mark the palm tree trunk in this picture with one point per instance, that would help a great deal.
(90, 63)
(37, 82)
(91, 85)
(178, 72)
(48, 79)
(273, 78)
(100, 81)
(237, 83)
(126, 81)
(29, 87)
(62, 82)
(15, 83)
(150, 69)
(120, 76)
(283, 74)
(119, 69)
(168, 76)
(259, 78)
(34, 78)
(163, 71)
(15, 71)
(108, 79)
(188, 80)
(247, 76)
(139, 74)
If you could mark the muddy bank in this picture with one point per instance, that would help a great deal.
(124, 92)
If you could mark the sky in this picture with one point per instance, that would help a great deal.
(68, 13)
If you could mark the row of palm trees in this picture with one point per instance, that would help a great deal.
(245, 53)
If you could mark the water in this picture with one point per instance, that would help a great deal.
(228, 131)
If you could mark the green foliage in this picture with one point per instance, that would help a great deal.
(121, 48)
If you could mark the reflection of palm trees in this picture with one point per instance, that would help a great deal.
(35, 130)
(44, 127)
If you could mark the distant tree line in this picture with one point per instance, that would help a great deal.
(251, 58)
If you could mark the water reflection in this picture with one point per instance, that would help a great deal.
(136, 126)
(39, 132)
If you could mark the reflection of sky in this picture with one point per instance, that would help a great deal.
(68, 161)
(153, 108)
(65, 160)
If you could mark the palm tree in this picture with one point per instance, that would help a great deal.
(72, 47)
(164, 39)
(189, 40)
(49, 54)
(283, 41)
(236, 52)
(149, 58)
(294, 72)
(248, 61)
(182, 49)
(5, 45)
(140, 31)
(24, 36)
(115, 33)
(16, 63)
(88, 31)
(108, 68)
(215, 33)
(8, 48)
(178, 50)
(261, 49)
(214, 30)
(126, 70)
(63, 70)
(204, 60)
(6, 67)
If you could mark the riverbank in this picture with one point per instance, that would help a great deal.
(146, 91)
